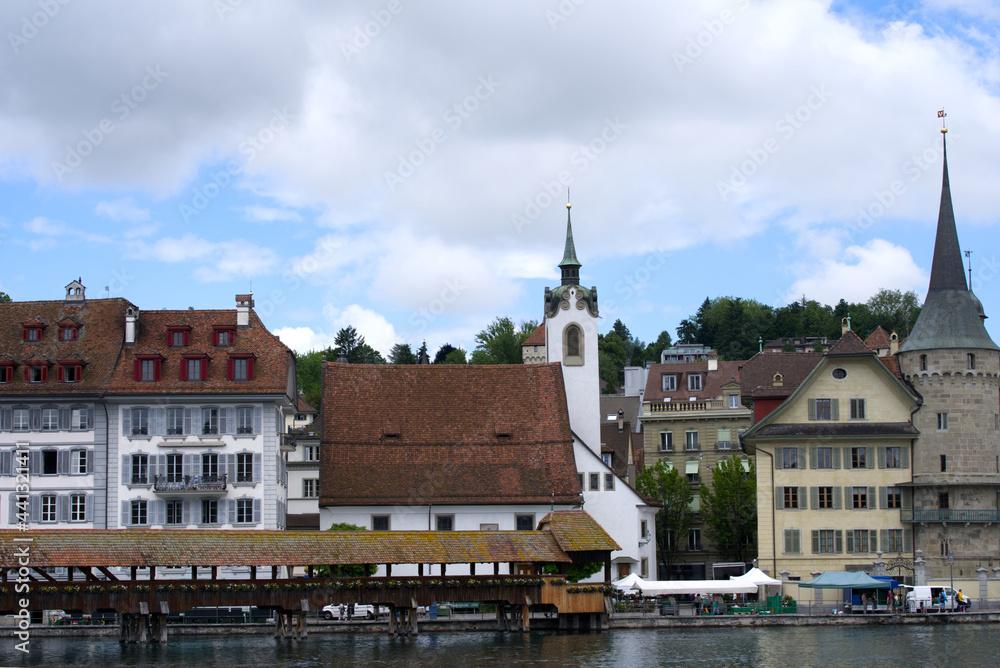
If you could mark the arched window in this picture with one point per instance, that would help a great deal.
(573, 346)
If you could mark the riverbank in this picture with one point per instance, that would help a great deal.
(486, 624)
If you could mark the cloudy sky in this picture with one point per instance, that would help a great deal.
(402, 166)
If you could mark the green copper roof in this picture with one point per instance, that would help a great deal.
(950, 317)
(569, 260)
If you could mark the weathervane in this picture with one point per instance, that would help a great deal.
(968, 254)
(943, 116)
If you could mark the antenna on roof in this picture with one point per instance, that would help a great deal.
(968, 254)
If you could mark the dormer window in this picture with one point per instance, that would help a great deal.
(6, 372)
(36, 372)
(194, 367)
(69, 372)
(240, 367)
(147, 367)
(68, 332)
(32, 333)
(694, 382)
(223, 336)
(178, 336)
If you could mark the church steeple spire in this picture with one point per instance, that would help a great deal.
(947, 270)
(570, 266)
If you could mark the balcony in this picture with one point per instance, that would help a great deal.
(949, 515)
(187, 483)
(686, 406)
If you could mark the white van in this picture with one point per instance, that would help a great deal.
(928, 599)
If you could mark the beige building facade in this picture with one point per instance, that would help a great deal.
(834, 466)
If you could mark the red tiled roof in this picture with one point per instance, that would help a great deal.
(616, 442)
(878, 339)
(757, 373)
(849, 344)
(302, 406)
(711, 385)
(272, 362)
(537, 337)
(98, 344)
(469, 434)
(892, 364)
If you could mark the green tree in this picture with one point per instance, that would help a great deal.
(654, 349)
(308, 370)
(4, 297)
(669, 488)
(349, 570)
(401, 354)
(500, 342)
(612, 351)
(443, 352)
(729, 509)
(894, 310)
(456, 356)
(352, 346)
(422, 356)
(575, 572)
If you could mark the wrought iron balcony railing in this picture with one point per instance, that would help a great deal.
(190, 483)
(949, 515)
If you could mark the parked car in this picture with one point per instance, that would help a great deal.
(353, 611)
(929, 599)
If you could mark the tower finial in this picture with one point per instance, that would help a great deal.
(944, 125)
(570, 266)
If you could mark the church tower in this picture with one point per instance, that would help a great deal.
(571, 338)
(951, 361)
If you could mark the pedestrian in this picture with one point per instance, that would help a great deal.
(864, 604)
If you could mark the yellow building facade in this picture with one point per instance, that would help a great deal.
(834, 467)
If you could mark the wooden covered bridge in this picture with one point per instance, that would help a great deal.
(144, 597)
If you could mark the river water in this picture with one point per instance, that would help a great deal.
(861, 646)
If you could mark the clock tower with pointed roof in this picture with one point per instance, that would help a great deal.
(951, 361)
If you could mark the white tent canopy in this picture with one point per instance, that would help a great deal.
(667, 587)
(757, 577)
(630, 581)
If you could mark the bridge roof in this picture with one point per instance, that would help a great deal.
(142, 548)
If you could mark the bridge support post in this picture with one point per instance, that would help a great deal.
(143, 622)
(301, 630)
(392, 620)
(413, 616)
(160, 623)
(526, 615)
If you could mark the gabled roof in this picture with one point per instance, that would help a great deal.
(711, 386)
(576, 531)
(616, 442)
(879, 338)
(757, 373)
(612, 403)
(302, 406)
(458, 434)
(849, 344)
(98, 344)
(537, 337)
(272, 365)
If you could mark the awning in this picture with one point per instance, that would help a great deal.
(667, 587)
(630, 581)
(691, 467)
(845, 580)
(757, 577)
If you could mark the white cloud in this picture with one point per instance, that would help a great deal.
(45, 226)
(374, 327)
(264, 214)
(860, 273)
(123, 209)
(218, 261)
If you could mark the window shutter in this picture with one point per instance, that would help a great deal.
(814, 497)
(159, 420)
(188, 418)
(161, 466)
(873, 541)
(223, 422)
(195, 512)
(812, 409)
(62, 462)
(229, 369)
(126, 421)
(849, 497)
(881, 456)
(183, 369)
(904, 456)
(230, 420)
(6, 462)
(836, 457)
(779, 498)
(786, 542)
(88, 507)
(6, 419)
(64, 414)
(186, 511)
(35, 508)
(883, 500)
(90, 418)
(187, 465)
(258, 466)
(36, 419)
(256, 511)
(204, 368)
(126, 515)
(160, 512)
(62, 508)
(850, 541)
(90, 461)
(258, 420)
(815, 541)
(834, 409)
(837, 505)
(803, 498)
(907, 540)
(884, 537)
(157, 363)
(871, 498)
(215, 337)
(35, 463)
(232, 468)
(813, 454)
(125, 469)
(12, 519)
(907, 497)
(232, 511)
(137, 369)
(187, 338)
(870, 456)
(60, 373)
(250, 362)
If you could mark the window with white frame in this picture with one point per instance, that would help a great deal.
(48, 508)
(78, 508)
(175, 467)
(175, 511)
(244, 467)
(691, 440)
(210, 466)
(22, 419)
(78, 462)
(175, 421)
(310, 488)
(666, 441)
(140, 470)
(734, 401)
(79, 419)
(138, 512)
(50, 419)
(244, 511)
(312, 453)
(694, 382)
(209, 420)
(244, 419)
(140, 421)
(209, 511)
(669, 382)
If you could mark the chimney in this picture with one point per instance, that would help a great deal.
(845, 325)
(76, 293)
(893, 343)
(621, 421)
(131, 325)
(243, 305)
(713, 361)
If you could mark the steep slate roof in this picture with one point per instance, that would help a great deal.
(272, 358)
(118, 547)
(849, 344)
(537, 337)
(616, 442)
(612, 403)
(98, 344)
(445, 434)
(757, 373)
(950, 315)
(711, 387)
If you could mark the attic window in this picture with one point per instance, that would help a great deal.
(36, 372)
(778, 380)
(223, 336)
(69, 372)
(6, 372)
(32, 333)
(839, 374)
(178, 336)
(68, 332)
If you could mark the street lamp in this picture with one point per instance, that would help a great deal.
(951, 571)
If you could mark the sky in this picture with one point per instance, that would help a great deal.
(402, 166)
